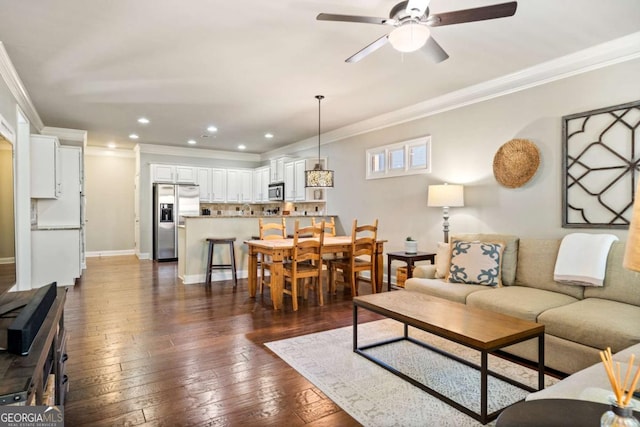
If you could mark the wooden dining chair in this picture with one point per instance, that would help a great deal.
(361, 257)
(329, 226)
(329, 230)
(305, 263)
(269, 231)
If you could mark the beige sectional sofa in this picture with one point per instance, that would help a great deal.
(579, 320)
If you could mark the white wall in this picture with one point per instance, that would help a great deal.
(464, 142)
(109, 187)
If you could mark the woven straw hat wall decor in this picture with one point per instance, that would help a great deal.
(516, 162)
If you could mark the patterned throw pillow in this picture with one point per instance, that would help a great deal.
(475, 263)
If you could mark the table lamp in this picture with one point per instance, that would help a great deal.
(445, 196)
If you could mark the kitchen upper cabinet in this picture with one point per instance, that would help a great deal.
(261, 179)
(212, 183)
(204, 183)
(239, 185)
(277, 169)
(294, 190)
(163, 173)
(185, 175)
(46, 170)
(218, 185)
(174, 174)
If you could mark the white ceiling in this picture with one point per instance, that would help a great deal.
(251, 67)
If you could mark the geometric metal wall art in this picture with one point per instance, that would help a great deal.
(601, 160)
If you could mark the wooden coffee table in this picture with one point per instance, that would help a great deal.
(481, 330)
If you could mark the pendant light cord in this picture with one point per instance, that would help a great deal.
(319, 98)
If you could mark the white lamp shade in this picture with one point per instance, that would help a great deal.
(409, 37)
(632, 252)
(445, 195)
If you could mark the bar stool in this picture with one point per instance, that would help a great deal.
(232, 255)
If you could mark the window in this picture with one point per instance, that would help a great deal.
(400, 159)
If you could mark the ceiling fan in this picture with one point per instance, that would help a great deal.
(411, 19)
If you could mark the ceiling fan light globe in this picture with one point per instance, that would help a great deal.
(409, 37)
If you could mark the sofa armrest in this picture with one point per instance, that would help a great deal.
(425, 271)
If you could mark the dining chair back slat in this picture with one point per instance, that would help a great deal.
(305, 263)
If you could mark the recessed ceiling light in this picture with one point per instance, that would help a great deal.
(133, 136)
(143, 120)
(268, 135)
(192, 142)
(111, 145)
(242, 147)
(212, 129)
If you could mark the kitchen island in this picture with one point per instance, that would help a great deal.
(193, 248)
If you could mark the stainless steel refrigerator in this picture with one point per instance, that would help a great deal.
(171, 202)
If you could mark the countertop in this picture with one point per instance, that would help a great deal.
(259, 216)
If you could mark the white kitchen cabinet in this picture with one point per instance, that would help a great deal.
(276, 167)
(294, 189)
(45, 167)
(261, 179)
(239, 185)
(55, 257)
(185, 175)
(174, 174)
(218, 185)
(300, 194)
(204, 183)
(163, 173)
(65, 210)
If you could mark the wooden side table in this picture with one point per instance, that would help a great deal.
(409, 259)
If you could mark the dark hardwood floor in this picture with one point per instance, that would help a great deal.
(147, 350)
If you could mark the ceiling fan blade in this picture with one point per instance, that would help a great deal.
(501, 10)
(434, 50)
(353, 18)
(369, 49)
(417, 8)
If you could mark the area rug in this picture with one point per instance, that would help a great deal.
(377, 398)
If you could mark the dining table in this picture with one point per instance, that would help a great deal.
(278, 250)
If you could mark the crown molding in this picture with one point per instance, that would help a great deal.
(17, 88)
(109, 152)
(195, 152)
(620, 50)
(74, 135)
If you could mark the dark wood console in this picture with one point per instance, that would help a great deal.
(24, 379)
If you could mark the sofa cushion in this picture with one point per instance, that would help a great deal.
(519, 301)
(595, 322)
(536, 263)
(439, 288)
(475, 263)
(620, 284)
(509, 256)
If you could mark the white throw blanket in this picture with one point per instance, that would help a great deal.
(582, 258)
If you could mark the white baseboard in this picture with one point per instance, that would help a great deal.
(144, 255)
(94, 254)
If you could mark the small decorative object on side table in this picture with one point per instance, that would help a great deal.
(410, 246)
(409, 259)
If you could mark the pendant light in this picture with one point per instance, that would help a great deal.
(318, 177)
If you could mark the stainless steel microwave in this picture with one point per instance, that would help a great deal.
(276, 191)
